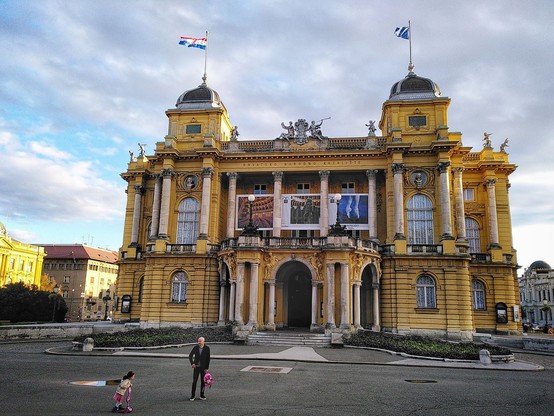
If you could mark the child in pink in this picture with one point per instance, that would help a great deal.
(124, 386)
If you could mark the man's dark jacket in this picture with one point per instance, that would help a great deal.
(202, 361)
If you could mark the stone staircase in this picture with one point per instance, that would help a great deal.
(289, 338)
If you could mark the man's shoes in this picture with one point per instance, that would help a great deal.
(115, 409)
(192, 398)
(202, 397)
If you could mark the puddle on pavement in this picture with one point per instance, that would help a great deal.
(99, 383)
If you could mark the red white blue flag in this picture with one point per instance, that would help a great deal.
(193, 42)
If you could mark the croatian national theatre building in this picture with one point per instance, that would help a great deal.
(408, 232)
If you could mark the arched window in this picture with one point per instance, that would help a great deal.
(140, 289)
(478, 295)
(179, 287)
(472, 232)
(187, 221)
(420, 220)
(426, 292)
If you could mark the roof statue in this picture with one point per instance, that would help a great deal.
(487, 140)
(504, 145)
(300, 129)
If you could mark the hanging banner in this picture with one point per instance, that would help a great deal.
(352, 211)
(262, 212)
(301, 212)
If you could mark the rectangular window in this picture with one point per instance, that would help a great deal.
(194, 128)
(66, 279)
(469, 194)
(348, 188)
(417, 121)
(303, 188)
(260, 189)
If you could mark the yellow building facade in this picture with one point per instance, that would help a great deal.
(408, 232)
(19, 262)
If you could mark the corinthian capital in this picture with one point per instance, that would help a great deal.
(207, 172)
(397, 168)
(442, 167)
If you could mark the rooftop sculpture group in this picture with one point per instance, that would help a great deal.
(300, 131)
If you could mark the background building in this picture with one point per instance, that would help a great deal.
(408, 232)
(19, 262)
(84, 275)
(536, 289)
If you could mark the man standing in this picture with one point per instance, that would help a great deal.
(199, 359)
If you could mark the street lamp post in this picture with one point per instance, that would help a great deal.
(337, 229)
(545, 309)
(54, 297)
(106, 299)
(250, 230)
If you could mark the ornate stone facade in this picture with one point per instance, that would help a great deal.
(410, 233)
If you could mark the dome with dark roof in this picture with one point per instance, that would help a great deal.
(202, 97)
(413, 87)
(539, 264)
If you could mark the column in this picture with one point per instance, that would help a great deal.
(277, 203)
(493, 219)
(398, 170)
(372, 203)
(446, 211)
(357, 287)
(376, 319)
(330, 283)
(254, 280)
(271, 308)
(156, 207)
(222, 294)
(344, 296)
(314, 302)
(324, 203)
(164, 209)
(240, 294)
(232, 294)
(459, 200)
(205, 207)
(136, 215)
(231, 204)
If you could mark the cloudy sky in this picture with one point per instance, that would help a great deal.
(82, 82)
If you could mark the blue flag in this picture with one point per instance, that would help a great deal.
(402, 32)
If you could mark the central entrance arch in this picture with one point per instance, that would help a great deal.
(296, 281)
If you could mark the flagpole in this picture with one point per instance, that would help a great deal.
(411, 65)
(205, 77)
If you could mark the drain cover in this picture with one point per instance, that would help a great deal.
(264, 369)
(421, 381)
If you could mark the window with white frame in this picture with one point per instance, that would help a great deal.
(478, 295)
(420, 220)
(469, 194)
(260, 189)
(302, 188)
(426, 292)
(187, 221)
(348, 188)
(473, 237)
(179, 287)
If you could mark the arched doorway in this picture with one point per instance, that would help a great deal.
(369, 280)
(295, 280)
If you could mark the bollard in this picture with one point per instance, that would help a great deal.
(485, 357)
(88, 344)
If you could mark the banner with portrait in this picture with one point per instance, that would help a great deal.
(262, 212)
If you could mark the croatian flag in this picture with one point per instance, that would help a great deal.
(193, 42)
(402, 32)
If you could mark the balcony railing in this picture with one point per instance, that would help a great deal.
(424, 248)
(180, 248)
